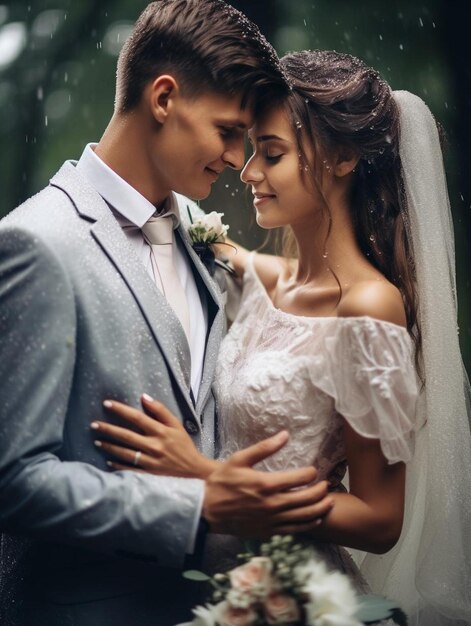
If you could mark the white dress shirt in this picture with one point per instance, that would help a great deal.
(130, 207)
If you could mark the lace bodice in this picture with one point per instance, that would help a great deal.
(306, 374)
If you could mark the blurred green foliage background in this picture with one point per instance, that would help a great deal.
(57, 71)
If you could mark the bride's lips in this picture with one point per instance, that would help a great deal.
(262, 198)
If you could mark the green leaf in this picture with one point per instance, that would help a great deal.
(372, 608)
(189, 214)
(194, 574)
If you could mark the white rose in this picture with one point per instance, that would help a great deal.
(217, 231)
(280, 608)
(208, 228)
(214, 221)
(331, 599)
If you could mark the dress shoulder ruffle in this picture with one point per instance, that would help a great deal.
(367, 368)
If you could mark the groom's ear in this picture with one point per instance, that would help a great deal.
(162, 92)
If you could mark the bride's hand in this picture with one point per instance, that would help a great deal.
(162, 445)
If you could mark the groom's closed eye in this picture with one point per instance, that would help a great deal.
(230, 132)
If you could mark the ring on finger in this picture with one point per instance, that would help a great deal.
(137, 457)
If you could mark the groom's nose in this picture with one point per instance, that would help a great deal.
(234, 154)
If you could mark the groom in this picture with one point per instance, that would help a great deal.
(102, 296)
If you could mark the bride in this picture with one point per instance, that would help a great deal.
(348, 340)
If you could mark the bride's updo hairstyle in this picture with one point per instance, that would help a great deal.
(339, 103)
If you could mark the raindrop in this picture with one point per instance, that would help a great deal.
(325, 255)
(381, 37)
(401, 47)
(372, 238)
(40, 93)
(421, 22)
(45, 120)
(226, 186)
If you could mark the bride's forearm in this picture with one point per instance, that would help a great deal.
(354, 523)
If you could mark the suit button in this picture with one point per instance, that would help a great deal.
(191, 427)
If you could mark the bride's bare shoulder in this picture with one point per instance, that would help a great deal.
(379, 299)
(269, 268)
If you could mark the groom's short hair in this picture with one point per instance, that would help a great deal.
(207, 45)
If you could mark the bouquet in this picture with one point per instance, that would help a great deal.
(286, 584)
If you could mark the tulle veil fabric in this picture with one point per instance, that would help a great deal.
(429, 571)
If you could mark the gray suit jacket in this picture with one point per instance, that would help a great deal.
(81, 321)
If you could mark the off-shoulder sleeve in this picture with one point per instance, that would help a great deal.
(368, 369)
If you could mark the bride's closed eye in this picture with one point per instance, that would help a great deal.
(273, 158)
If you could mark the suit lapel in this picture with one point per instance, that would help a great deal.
(215, 326)
(162, 321)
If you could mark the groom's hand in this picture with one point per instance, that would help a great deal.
(245, 502)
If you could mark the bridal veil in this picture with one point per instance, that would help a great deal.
(429, 570)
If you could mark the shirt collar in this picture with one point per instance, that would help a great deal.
(124, 199)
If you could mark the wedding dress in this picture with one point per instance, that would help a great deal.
(277, 370)
(306, 374)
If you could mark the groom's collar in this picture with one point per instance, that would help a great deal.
(125, 200)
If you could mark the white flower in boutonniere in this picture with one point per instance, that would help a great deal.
(207, 229)
(204, 231)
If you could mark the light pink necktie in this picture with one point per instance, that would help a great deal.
(158, 232)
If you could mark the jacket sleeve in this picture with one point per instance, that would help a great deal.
(124, 512)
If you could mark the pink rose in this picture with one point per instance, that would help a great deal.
(280, 608)
(253, 577)
(229, 616)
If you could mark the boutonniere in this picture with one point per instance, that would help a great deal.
(205, 231)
